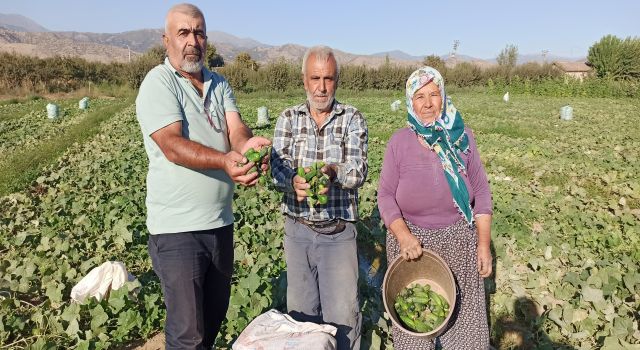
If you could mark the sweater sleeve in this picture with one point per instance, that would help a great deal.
(478, 178)
(387, 186)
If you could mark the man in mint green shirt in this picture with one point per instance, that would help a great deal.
(194, 138)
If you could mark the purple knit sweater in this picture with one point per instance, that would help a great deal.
(413, 185)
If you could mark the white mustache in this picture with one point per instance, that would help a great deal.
(192, 52)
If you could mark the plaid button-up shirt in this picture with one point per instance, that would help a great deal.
(341, 140)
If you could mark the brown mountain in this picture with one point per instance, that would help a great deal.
(20, 23)
(22, 35)
(105, 47)
(51, 44)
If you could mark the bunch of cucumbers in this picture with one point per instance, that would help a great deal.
(318, 181)
(256, 157)
(420, 309)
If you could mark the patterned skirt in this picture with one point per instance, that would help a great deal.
(468, 328)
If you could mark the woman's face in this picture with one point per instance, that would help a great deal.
(427, 103)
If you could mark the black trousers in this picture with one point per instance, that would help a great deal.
(195, 271)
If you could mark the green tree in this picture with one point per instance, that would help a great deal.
(244, 60)
(615, 58)
(435, 62)
(276, 75)
(508, 57)
(213, 58)
(139, 67)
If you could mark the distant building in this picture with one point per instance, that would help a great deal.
(577, 70)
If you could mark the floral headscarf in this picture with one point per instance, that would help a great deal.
(445, 136)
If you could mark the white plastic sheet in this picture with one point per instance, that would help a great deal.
(110, 275)
(274, 330)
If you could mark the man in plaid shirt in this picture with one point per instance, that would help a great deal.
(320, 240)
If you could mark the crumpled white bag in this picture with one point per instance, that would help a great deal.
(274, 330)
(110, 275)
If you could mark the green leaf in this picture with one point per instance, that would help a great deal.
(54, 292)
(71, 312)
(572, 278)
(83, 345)
(376, 342)
(252, 282)
(73, 328)
(592, 294)
(630, 280)
(98, 317)
(555, 315)
(116, 303)
(612, 343)
(129, 319)
(622, 327)
(579, 315)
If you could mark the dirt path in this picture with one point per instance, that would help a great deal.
(155, 343)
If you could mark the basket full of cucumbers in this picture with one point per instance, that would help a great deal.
(420, 295)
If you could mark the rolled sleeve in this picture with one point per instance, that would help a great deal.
(353, 172)
(281, 158)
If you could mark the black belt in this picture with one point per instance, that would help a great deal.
(325, 227)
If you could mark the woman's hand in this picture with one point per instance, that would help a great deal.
(410, 247)
(484, 261)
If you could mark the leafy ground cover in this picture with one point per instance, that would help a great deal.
(29, 140)
(566, 233)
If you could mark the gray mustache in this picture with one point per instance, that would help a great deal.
(193, 52)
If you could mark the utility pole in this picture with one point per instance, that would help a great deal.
(544, 55)
(129, 49)
(456, 43)
(452, 55)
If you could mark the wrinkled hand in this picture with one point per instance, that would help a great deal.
(237, 172)
(257, 143)
(300, 185)
(331, 171)
(410, 247)
(484, 261)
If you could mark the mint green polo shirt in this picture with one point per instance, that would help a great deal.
(180, 199)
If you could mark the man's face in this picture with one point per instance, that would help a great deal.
(320, 82)
(186, 41)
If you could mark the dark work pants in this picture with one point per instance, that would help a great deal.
(195, 271)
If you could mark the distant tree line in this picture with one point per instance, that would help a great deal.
(616, 61)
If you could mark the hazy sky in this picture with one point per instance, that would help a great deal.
(564, 27)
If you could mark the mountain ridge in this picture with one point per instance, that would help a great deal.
(19, 34)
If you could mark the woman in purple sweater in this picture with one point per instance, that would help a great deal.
(433, 193)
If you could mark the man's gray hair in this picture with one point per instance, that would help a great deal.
(321, 53)
(184, 8)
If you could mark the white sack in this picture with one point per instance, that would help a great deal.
(110, 275)
(274, 330)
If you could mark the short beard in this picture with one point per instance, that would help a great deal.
(192, 67)
(322, 107)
